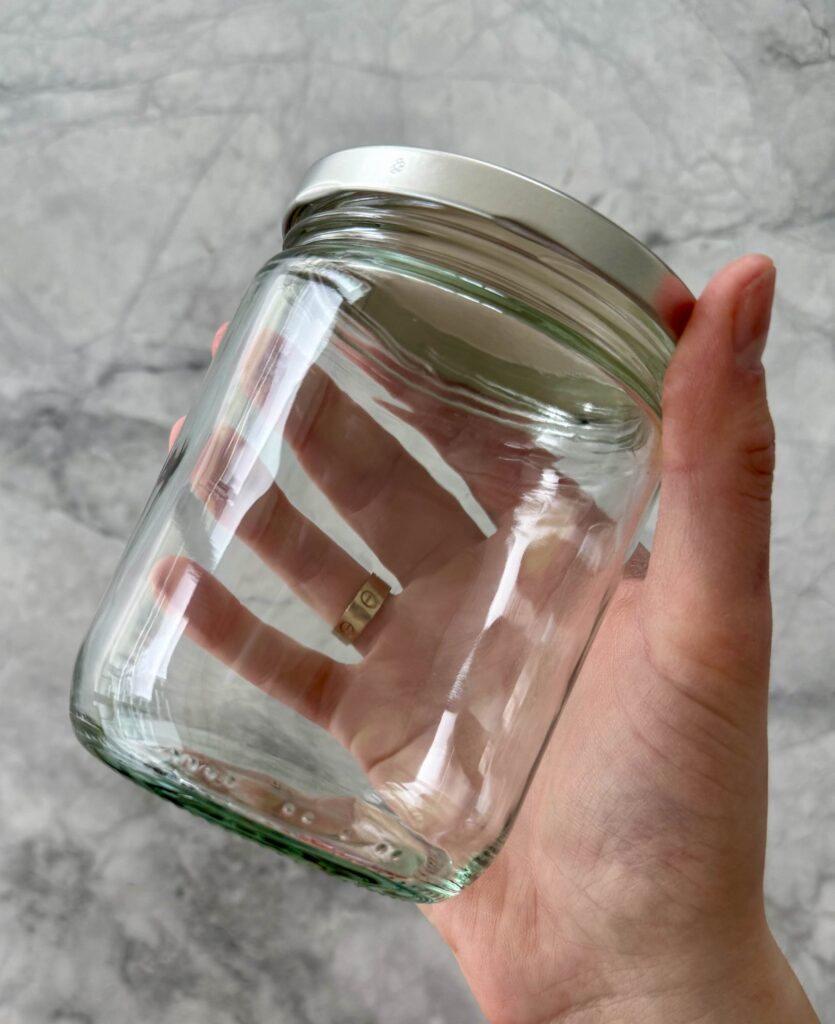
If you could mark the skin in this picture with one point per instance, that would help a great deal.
(631, 886)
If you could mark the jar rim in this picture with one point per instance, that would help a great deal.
(512, 199)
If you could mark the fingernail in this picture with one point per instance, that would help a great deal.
(218, 338)
(752, 317)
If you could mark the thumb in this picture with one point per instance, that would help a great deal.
(707, 589)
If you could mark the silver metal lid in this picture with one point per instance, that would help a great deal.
(509, 197)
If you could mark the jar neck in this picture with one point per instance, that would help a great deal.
(503, 264)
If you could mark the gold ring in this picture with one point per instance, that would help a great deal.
(362, 608)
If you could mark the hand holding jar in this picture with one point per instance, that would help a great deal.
(356, 603)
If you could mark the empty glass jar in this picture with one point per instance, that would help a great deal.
(365, 580)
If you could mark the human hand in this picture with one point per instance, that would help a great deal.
(631, 885)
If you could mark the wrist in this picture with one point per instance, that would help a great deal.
(739, 985)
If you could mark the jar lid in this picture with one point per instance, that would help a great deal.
(512, 199)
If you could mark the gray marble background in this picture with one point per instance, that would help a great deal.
(146, 152)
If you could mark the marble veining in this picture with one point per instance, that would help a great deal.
(146, 154)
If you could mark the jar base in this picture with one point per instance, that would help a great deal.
(414, 870)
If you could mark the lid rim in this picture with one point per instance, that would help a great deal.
(512, 198)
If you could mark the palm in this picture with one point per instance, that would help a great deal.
(642, 825)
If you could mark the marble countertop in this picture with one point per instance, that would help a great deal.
(146, 154)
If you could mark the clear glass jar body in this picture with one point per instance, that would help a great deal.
(411, 392)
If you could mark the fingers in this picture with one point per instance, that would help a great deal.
(411, 522)
(707, 586)
(240, 492)
(218, 338)
(306, 681)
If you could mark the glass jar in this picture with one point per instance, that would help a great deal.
(368, 573)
